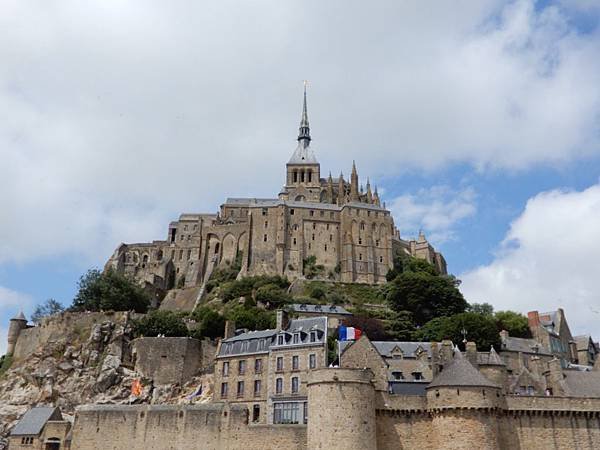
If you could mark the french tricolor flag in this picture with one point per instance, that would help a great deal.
(349, 333)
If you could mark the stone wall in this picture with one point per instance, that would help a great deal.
(55, 327)
(178, 427)
(169, 360)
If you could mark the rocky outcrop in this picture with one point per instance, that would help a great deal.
(89, 363)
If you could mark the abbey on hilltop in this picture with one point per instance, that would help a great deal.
(347, 229)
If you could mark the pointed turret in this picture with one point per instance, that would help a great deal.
(354, 184)
(369, 193)
(341, 190)
(376, 198)
(304, 131)
(330, 189)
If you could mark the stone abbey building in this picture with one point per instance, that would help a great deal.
(346, 228)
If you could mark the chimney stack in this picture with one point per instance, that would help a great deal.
(471, 351)
(229, 329)
(282, 320)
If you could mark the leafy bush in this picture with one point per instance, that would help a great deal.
(5, 363)
(166, 323)
(46, 309)
(317, 291)
(211, 324)
(425, 295)
(516, 324)
(247, 285)
(252, 318)
(480, 328)
(109, 291)
(272, 295)
(311, 268)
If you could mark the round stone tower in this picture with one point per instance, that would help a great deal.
(463, 405)
(14, 329)
(341, 409)
(494, 369)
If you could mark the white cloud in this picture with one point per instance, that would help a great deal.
(117, 116)
(437, 210)
(547, 260)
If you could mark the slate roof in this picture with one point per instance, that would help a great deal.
(490, 358)
(460, 372)
(514, 344)
(319, 309)
(34, 420)
(582, 384)
(20, 316)
(262, 341)
(385, 348)
(582, 342)
(303, 155)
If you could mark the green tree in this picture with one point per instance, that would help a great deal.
(272, 295)
(400, 326)
(481, 308)
(108, 291)
(211, 324)
(157, 322)
(479, 328)
(425, 295)
(516, 324)
(251, 318)
(45, 309)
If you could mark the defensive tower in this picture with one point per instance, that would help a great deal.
(17, 324)
(341, 409)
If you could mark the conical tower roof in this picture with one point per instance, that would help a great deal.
(493, 359)
(20, 316)
(460, 372)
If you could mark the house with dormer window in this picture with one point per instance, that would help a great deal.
(267, 370)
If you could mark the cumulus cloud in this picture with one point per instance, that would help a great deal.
(118, 116)
(547, 260)
(436, 210)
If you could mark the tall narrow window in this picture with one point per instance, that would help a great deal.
(224, 389)
(312, 361)
(295, 362)
(257, 387)
(279, 363)
(255, 413)
(225, 368)
(310, 176)
(265, 238)
(240, 389)
(279, 385)
(266, 223)
(242, 367)
(258, 366)
(295, 385)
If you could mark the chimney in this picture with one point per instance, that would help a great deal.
(504, 338)
(229, 329)
(435, 358)
(447, 352)
(471, 351)
(555, 377)
(533, 317)
(282, 320)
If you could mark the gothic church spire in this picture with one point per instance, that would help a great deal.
(304, 132)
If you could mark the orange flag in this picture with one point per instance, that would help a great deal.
(136, 388)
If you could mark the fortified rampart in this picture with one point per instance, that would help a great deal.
(346, 411)
(173, 427)
(56, 327)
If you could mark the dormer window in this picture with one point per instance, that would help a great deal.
(313, 336)
(296, 338)
(280, 340)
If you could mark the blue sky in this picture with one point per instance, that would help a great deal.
(478, 120)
